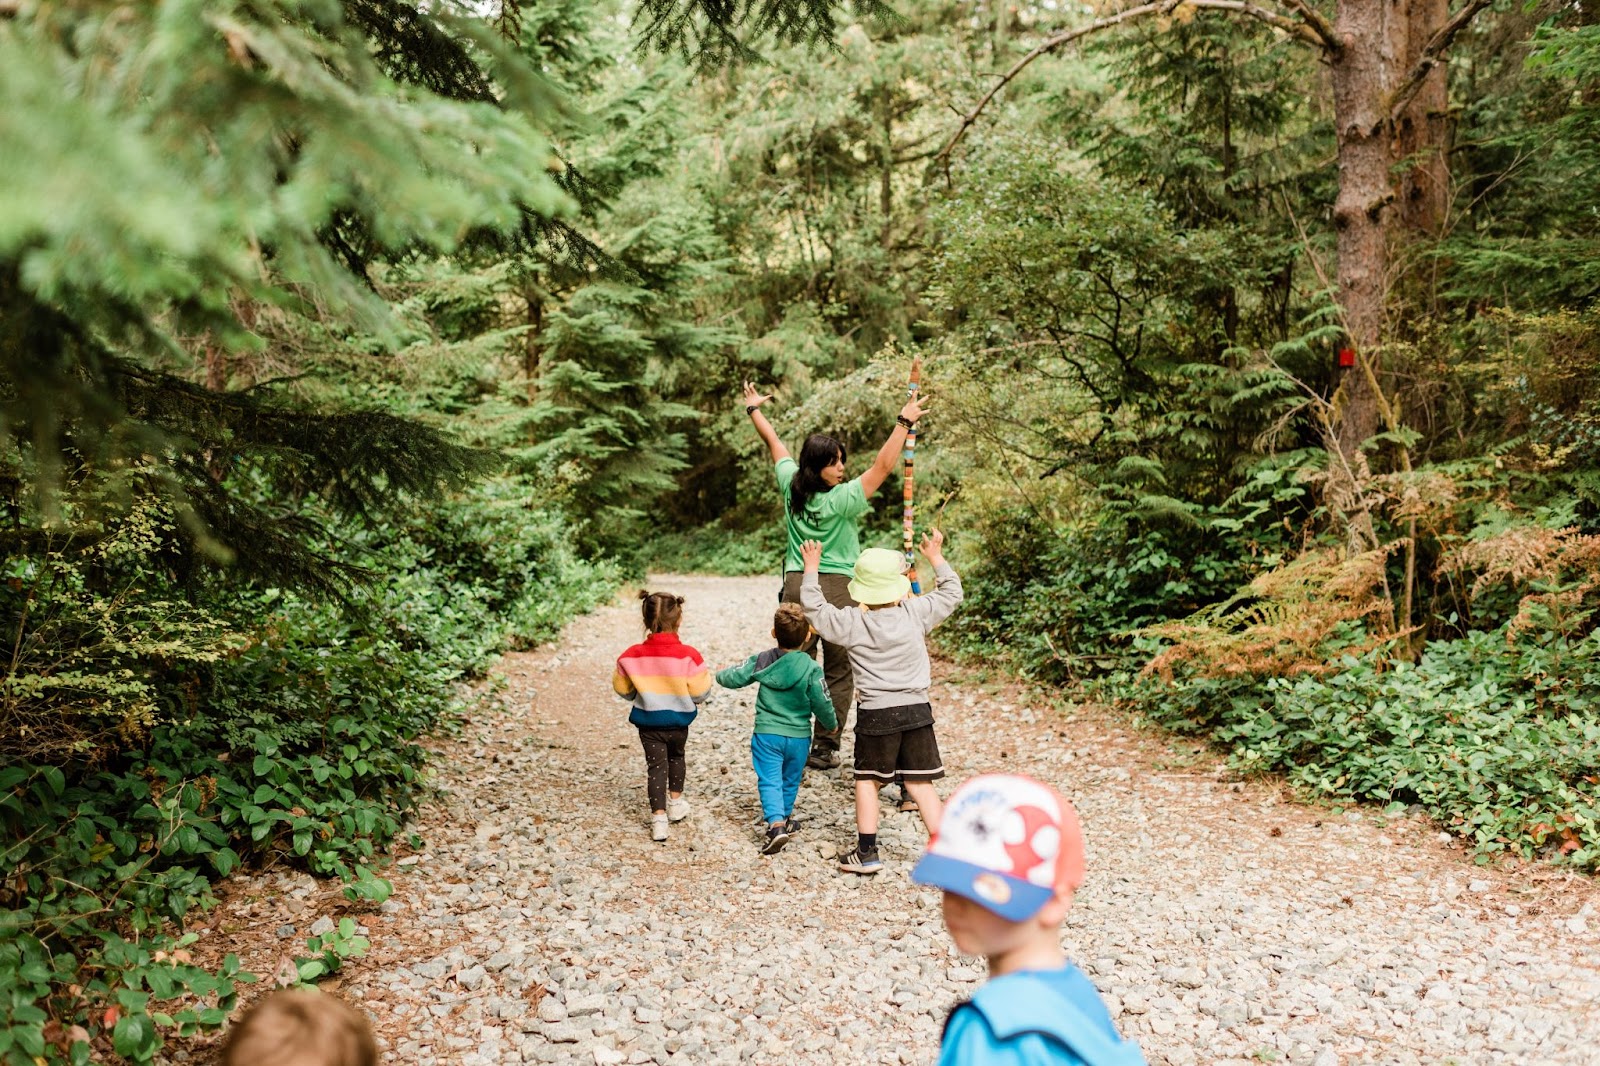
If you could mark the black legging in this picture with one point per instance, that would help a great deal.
(663, 762)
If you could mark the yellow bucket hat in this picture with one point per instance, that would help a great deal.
(879, 578)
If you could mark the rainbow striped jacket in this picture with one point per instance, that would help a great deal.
(664, 679)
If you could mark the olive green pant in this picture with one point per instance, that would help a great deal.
(836, 672)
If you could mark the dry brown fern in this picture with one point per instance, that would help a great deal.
(1565, 562)
(1280, 624)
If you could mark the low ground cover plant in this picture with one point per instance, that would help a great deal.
(193, 731)
(1493, 735)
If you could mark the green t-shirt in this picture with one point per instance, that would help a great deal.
(830, 517)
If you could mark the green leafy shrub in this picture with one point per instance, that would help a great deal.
(1062, 603)
(329, 950)
(97, 629)
(1496, 735)
(245, 724)
(495, 567)
(715, 550)
(97, 871)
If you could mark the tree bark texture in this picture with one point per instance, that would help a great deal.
(532, 342)
(1423, 131)
(1361, 71)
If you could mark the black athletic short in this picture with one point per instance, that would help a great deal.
(912, 754)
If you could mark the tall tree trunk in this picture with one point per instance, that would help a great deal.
(1361, 73)
(1372, 48)
(532, 342)
(1423, 133)
(886, 168)
(1230, 296)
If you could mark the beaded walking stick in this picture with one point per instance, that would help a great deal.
(911, 459)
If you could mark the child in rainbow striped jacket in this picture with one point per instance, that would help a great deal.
(665, 680)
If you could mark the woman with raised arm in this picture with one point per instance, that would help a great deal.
(819, 504)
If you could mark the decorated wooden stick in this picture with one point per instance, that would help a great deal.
(909, 519)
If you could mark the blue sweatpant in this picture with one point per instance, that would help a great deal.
(779, 762)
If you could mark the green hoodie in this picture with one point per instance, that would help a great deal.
(791, 691)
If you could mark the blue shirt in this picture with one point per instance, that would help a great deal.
(1026, 1019)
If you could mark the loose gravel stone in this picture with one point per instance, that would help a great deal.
(1223, 923)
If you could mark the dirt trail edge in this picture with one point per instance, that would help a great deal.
(1223, 922)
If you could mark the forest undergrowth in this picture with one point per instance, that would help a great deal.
(293, 438)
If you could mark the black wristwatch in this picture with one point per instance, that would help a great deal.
(751, 408)
(904, 421)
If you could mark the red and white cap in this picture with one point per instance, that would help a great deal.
(1006, 842)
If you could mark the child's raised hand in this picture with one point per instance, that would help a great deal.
(811, 555)
(752, 397)
(932, 546)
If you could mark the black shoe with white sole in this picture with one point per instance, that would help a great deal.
(777, 837)
(857, 861)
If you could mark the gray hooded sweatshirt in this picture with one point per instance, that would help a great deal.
(888, 648)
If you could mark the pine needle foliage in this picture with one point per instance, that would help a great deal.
(1529, 168)
(713, 33)
(262, 150)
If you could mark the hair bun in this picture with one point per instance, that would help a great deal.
(644, 594)
(677, 601)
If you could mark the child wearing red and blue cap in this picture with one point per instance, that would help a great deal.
(1009, 856)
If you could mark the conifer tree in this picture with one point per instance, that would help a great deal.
(260, 155)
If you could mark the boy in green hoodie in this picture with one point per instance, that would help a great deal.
(792, 693)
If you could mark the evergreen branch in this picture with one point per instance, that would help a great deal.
(65, 396)
(1303, 31)
(707, 32)
(508, 23)
(411, 46)
(1319, 24)
(1432, 55)
(1299, 30)
(1045, 48)
(356, 459)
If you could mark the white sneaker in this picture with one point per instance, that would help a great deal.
(677, 809)
(658, 827)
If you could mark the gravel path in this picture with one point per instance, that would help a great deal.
(1223, 922)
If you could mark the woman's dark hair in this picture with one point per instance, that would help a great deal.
(818, 451)
(662, 611)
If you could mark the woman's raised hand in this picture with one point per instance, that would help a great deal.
(753, 398)
(913, 409)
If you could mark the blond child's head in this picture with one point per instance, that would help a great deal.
(300, 1028)
(880, 578)
(1009, 856)
(789, 627)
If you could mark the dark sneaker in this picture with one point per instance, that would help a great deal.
(792, 826)
(906, 802)
(777, 837)
(823, 759)
(856, 861)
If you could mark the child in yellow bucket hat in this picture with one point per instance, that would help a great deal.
(886, 639)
